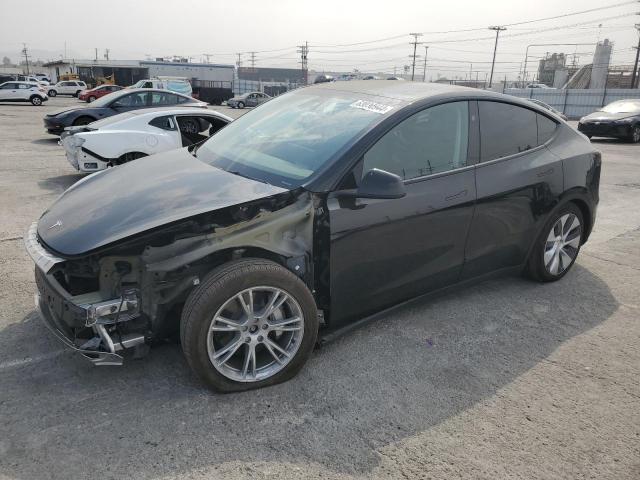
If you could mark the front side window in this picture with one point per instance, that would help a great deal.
(134, 100)
(505, 129)
(431, 141)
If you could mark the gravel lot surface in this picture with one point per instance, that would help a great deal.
(505, 379)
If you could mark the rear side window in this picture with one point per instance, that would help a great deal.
(546, 128)
(505, 130)
(165, 123)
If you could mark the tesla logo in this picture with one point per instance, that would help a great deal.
(57, 224)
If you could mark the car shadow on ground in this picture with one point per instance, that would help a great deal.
(405, 373)
(612, 140)
(46, 141)
(60, 183)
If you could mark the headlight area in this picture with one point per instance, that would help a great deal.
(101, 306)
(93, 306)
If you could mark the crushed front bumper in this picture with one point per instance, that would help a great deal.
(82, 326)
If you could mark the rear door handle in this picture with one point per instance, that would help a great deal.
(461, 194)
(546, 172)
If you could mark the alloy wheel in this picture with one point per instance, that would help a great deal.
(563, 243)
(255, 334)
(636, 134)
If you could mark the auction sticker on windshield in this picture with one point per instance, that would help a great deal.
(371, 106)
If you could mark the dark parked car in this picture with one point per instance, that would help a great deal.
(619, 119)
(252, 99)
(114, 103)
(321, 207)
(323, 79)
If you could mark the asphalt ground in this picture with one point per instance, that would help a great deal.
(505, 379)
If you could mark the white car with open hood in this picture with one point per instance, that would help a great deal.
(127, 136)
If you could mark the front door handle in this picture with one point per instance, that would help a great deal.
(461, 194)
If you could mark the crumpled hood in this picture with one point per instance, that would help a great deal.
(119, 202)
(606, 117)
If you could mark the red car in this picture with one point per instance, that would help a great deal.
(97, 92)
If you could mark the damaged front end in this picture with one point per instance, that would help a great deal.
(78, 303)
(131, 293)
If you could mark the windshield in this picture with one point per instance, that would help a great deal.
(286, 140)
(623, 106)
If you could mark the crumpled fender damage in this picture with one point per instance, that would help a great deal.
(280, 227)
(287, 232)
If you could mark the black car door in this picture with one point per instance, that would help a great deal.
(384, 251)
(518, 180)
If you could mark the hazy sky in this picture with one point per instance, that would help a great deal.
(134, 29)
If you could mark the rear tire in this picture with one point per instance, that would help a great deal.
(52, 93)
(634, 137)
(77, 94)
(36, 100)
(257, 338)
(558, 245)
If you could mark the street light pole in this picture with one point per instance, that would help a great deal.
(424, 70)
(634, 74)
(497, 29)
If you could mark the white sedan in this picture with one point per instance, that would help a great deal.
(125, 137)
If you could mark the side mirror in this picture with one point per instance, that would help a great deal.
(381, 184)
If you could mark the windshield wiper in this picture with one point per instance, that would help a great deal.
(235, 172)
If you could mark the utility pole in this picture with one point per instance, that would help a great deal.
(25, 52)
(239, 62)
(207, 57)
(303, 50)
(106, 54)
(253, 59)
(424, 69)
(415, 45)
(497, 29)
(634, 74)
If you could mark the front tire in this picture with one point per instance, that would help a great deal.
(634, 136)
(77, 94)
(91, 99)
(83, 121)
(240, 104)
(558, 245)
(251, 323)
(52, 93)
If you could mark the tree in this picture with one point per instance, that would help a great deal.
(6, 61)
